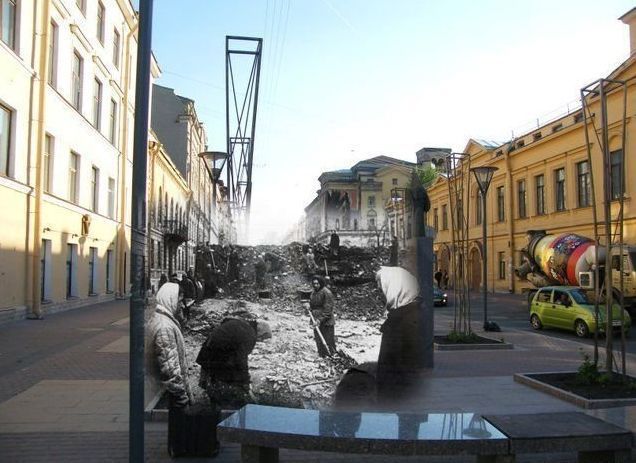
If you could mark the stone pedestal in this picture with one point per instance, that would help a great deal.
(425, 279)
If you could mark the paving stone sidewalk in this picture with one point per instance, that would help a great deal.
(64, 390)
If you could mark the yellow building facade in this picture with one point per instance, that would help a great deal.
(543, 182)
(169, 216)
(66, 111)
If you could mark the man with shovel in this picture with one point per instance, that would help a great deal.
(321, 317)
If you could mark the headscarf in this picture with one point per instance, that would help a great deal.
(398, 285)
(168, 297)
(321, 281)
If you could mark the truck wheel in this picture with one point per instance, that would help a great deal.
(581, 329)
(535, 322)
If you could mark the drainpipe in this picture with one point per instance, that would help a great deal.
(511, 221)
(123, 132)
(36, 309)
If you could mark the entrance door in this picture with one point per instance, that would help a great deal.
(475, 270)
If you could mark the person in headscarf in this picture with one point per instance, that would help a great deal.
(168, 346)
(224, 361)
(310, 262)
(321, 306)
(401, 337)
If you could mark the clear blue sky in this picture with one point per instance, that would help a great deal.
(344, 80)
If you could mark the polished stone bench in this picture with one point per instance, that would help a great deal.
(262, 430)
(595, 440)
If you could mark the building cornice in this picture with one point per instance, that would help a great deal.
(77, 32)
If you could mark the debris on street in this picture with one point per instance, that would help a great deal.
(286, 369)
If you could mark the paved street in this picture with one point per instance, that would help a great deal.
(64, 386)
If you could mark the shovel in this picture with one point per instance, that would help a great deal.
(322, 338)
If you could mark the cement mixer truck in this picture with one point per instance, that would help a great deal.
(568, 259)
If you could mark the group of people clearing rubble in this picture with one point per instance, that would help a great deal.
(223, 357)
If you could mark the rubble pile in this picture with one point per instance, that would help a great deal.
(286, 369)
(351, 277)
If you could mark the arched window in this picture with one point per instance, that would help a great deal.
(160, 208)
(165, 205)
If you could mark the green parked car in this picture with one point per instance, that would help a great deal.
(569, 308)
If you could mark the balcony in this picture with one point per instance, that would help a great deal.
(174, 232)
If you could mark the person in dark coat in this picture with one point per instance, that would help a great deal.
(438, 278)
(321, 307)
(162, 280)
(394, 252)
(224, 362)
(260, 269)
(233, 265)
(401, 345)
(334, 244)
(188, 286)
(445, 279)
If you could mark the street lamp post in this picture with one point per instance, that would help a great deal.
(214, 162)
(483, 175)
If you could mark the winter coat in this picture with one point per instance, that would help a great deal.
(224, 354)
(321, 305)
(168, 346)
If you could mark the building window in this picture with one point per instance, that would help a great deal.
(92, 271)
(444, 217)
(81, 5)
(479, 212)
(47, 167)
(502, 265)
(435, 220)
(617, 183)
(101, 13)
(559, 179)
(5, 139)
(97, 104)
(94, 188)
(7, 22)
(52, 71)
(371, 202)
(109, 270)
(539, 182)
(73, 178)
(521, 196)
(395, 181)
(583, 184)
(112, 135)
(78, 65)
(501, 212)
(116, 46)
(111, 198)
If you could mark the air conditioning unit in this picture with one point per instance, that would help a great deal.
(586, 280)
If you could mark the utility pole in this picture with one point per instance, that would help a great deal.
(138, 241)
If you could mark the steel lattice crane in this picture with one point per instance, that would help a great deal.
(242, 75)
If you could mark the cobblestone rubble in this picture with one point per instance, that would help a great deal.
(286, 369)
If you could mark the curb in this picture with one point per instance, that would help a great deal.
(579, 401)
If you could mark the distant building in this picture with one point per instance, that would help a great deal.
(168, 224)
(354, 202)
(543, 182)
(177, 127)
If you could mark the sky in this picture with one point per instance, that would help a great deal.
(346, 80)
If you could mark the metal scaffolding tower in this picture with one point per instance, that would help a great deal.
(242, 75)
